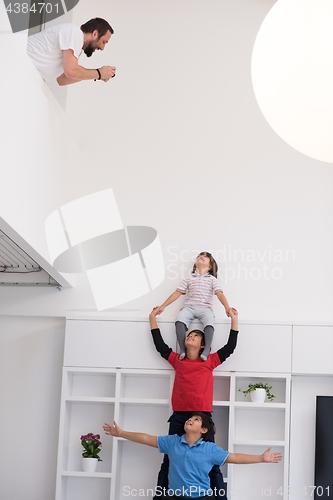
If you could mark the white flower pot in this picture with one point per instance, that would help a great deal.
(258, 395)
(89, 464)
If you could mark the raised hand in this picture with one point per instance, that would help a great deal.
(112, 430)
(271, 457)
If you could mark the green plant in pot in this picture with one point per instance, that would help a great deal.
(254, 390)
(92, 447)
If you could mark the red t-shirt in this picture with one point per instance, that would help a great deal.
(193, 386)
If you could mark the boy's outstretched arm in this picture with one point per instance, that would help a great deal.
(234, 319)
(266, 457)
(136, 437)
(230, 346)
(160, 345)
(152, 318)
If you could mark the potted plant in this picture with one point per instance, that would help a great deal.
(258, 392)
(92, 446)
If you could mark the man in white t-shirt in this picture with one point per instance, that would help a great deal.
(55, 51)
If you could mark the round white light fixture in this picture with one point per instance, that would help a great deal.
(292, 74)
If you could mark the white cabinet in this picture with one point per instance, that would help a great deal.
(312, 350)
(128, 344)
(255, 346)
(139, 400)
(254, 427)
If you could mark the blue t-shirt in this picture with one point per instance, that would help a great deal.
(190, 465)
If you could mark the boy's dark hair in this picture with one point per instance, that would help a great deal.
(99, 24)
(214, 267)
(202, 339)
(207, 423)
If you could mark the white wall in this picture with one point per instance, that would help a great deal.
(179, 137)
(31, 355)
(181, 140)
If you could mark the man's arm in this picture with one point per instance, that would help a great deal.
(63, 80)
(266, 457)
(73, 72)
(136, 437)
(160, 345)
(230, 346)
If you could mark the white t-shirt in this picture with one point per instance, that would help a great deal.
(45, 48)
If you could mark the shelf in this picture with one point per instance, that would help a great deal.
(259, 423)
(221, 403)
(258, 442)
(140, 401)
(81, 418)
(278, 383)
(86, 474)
(221, 388)
(263, 480)
(263, 406)
(79, 399)
(149, 418)
(142, 385)
(88, 383)
(84, 487)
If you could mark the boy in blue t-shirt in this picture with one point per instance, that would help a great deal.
(189, 478)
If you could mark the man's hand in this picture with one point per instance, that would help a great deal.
(107, 72)
(271, 457)
(112, 431)
(232, 312)
(73, 72)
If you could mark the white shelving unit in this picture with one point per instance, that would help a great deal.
(254, 427)
(139, 400)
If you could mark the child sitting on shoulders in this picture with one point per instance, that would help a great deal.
(200, 287)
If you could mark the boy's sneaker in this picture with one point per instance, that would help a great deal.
(181, 356)
(203, 357)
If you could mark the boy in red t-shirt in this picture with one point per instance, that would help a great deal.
(193, 386)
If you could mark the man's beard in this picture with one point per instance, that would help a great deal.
(89, 50)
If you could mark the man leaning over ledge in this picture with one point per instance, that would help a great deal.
(55, 51)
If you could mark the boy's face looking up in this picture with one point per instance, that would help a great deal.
(194, 339)
(194, 424)
(203, 261)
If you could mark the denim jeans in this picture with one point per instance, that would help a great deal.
(177, 421)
